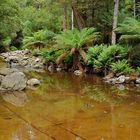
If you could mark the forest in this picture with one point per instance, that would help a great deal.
(88, 35)
(69, 69)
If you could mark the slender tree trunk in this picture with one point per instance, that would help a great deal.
(134, 5)
(115, 20)
(72, 20)
(65, 20)
(78, 18)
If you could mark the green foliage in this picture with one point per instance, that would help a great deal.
(75, 38)
(9, 17)
(51, 54)
(40, 15)
(138, 69)
(13, 48)
(130, 30)
(36, 52)
(134, 54)
(102, 56)
(121, 66)
(93, 53)
(42, 37)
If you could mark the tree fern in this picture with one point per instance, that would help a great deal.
(130, 30)
(75, 38)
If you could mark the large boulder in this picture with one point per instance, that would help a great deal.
(15, 81)
(33, 82)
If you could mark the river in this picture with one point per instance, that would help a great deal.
(67, 107)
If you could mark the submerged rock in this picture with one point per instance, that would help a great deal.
(33, 82)
(14, 81)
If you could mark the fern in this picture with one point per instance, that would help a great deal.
(130, 30)
(41, 36)
(75, 38)
(109, 55)
(121, 67)
(93, 53)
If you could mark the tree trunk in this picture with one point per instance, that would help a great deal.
(115, 20)
(78, 18)
(65, 19)
(134, 5)
(72, 20)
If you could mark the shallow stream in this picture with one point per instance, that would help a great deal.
(67, 107)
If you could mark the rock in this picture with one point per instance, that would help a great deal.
(58, 69)
(6, 71)
(37, 60)
(1, 77)
(13, 59)
(27, 51)
(50, 68)
(24, 63)
(120, 79)
(38, 66)
(25, 58)
(22, 58)
(112, 80)
(115, 80)
(137, 80)
(14, 81)
(33, 82)
(78, 72)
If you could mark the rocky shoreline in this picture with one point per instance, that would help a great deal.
(122, 79)
(13, 77)
(22, 59)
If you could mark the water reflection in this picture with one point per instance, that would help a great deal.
(93, 87)
(85, 106)
(18, 99)
(24, 132)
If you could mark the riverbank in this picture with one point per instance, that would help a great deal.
(22, 61)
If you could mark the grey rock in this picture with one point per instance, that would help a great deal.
(25, 58)
(6, 71)
(58, 69)
(50, 68)
(33, 82)
(13, 59)
(15, 81)
(1, 77)
(138, 81)
(115, 80)
(24, 63)
(78, 72)
(120, 79)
